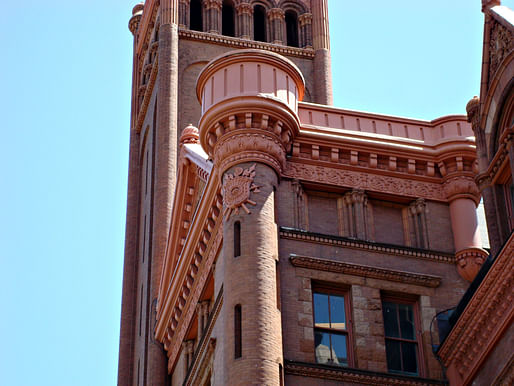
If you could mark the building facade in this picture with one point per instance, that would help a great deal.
(272, 238)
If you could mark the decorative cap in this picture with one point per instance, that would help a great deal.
(138, 8)
(472, 108)
(189, 135)
(137, 14)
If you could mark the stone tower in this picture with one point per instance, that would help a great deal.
(173, 41)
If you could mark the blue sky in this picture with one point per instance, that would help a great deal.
(65, 104)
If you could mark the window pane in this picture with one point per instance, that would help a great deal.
(321, 311)
(394, 362)
(406, 321)
(337, 314)
(410, 358)
(322, 346)
(339, 350)
(390, 320)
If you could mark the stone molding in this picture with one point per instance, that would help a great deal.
(365, 181)
(365, 271)
(486, 316)
(362, 377)
(488, 177)
(300, 235)
(307, 53)
(469, 262)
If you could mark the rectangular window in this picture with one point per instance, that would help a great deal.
(401, 336)
(331, 330)
(238, 333)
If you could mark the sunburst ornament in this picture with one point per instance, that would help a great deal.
(236, 190)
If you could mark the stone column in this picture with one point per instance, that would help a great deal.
(305, 21)
(276, 18)
(212, 12)
(321, 45)
(248, 139)
(464, 197)
(483, 180)
(164, 176)
(244, 16)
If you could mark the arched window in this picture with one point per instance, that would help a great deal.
(259, 23)
(195, 15)
(227, 18)
(292, 28)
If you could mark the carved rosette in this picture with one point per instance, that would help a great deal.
(469, 262)
(249, 99)
(461, 187)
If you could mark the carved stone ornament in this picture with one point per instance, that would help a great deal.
(500, 45)
(236, 190)
(462, 187)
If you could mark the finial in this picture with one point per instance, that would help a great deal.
(472, 108)
(137, 13)
(190, 135)
(487, 4)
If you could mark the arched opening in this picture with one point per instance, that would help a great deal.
(195, 15)
(259, 23)
(227, 18)
(292, 28)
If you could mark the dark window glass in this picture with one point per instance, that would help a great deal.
(238, 344)
(292, 28)
(400, 338)
(195, 15)
(330, 328)
(237, 239)
(259, 23)
(227, 18)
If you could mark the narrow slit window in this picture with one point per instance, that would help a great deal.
(195, 21)
(292, 28)
(238, 349)
(227, 18)
(237, 239)
(259, 23)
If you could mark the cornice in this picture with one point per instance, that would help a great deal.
(487, 315)
(342, 242)
(361, 377)
(198, 245)
(244, 43)
(365, 271)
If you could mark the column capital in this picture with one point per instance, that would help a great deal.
(304, 19)
(461, 187)
(244, 8)
(213, 4)
(276, 13)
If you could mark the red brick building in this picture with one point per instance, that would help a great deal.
(272, 238)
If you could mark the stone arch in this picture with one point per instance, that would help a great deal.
(296, 6)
